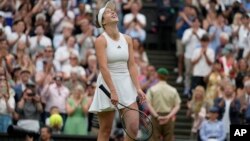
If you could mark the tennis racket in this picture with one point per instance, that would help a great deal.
(145, 125)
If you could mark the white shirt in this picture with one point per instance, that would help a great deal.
(191, 41)
(226, 118)
(57, 16)
(67, 69)
(13, 36)
(242, 37)
(202, 69)
(140, 17)
(63, 53)
(57, 40)
(44, 42)
(3, 106)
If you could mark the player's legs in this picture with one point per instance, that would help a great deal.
(132, 121)
(105, 123)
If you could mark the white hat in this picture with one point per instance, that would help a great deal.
(109, 4)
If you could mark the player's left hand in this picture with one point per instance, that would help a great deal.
(141, 96)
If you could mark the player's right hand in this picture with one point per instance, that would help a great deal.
(114, 99)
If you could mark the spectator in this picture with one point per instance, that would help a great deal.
(62, 54)
(163, 103)
(191, 40)
(138, 48)
(20, 34)
(60, 40)
(92, 69)
(86, 38)
(134, 22)
(242, 34)
(7, 103)
(74, 65)
(77, 107)
(197, 109)
(29, 109)
(210, 20)
(183, 22)
(20, 87)
(202, 60)
(55, 94)
(74, 80)
(212, 128)
(245, 101)
(84, 12)
(213, 82)
(150, 79)
(242, 71)
(40, 41)
(61, 15)
(46, 133)
(216, 30)
(42, 58)
(229, 105)
(235, 28)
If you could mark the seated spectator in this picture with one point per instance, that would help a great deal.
(29, 109)
(62, 54)
(7, 104)
(77, 107)
(135, 22)
(197, 109)
(56, 129)
(74, 65)
(46, 56)
(150, 79)
(212, 129)
(40, 41)
(55, 94)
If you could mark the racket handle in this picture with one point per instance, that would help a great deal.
(105, 90)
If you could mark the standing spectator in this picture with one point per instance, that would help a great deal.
(210, 20)
(20, 87)
(216, 30)
(74, 65)
(191, 40)
(55, 94)
(29, 109)
(86, 38)
(197, 109)
(235, 28)
(183, 22)
(242, 34)
(202, 60)
(92, 69)
(230, 106)
(212, 128)
(135, 22)
(138, 48)
(77, 107)
(242, 71)
(40, 41)
(213, 82)
(61, 15)
(62, 54)
(163, 103)
(7, 104)
(43, 58)
(74, 80)
(245, 101)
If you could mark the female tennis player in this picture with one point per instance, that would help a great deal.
(118, 74)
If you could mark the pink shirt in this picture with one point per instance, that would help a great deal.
(55, 96)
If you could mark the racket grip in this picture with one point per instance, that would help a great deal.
(105, 90)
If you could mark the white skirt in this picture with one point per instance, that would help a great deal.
(125, 89)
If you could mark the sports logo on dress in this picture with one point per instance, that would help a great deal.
(119, 46)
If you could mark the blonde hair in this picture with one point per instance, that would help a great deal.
(197, 105)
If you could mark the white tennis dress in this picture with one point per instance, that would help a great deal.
(117, 57)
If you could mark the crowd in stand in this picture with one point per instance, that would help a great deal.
(213, 45)
(48, 65)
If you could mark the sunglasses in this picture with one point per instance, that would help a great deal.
(73, 58)
(48, 50)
